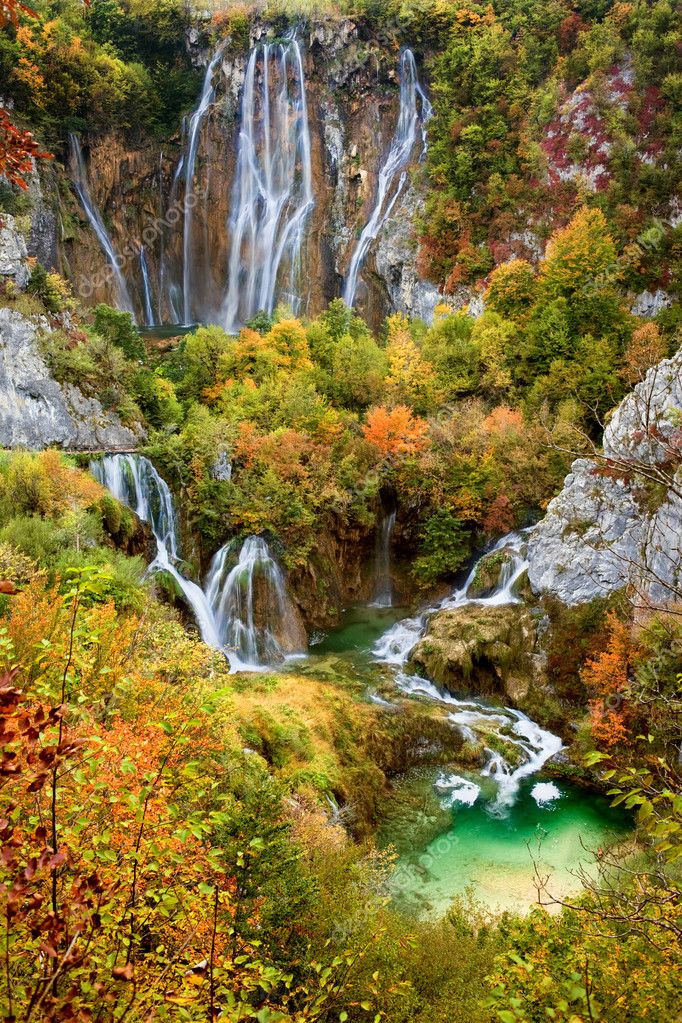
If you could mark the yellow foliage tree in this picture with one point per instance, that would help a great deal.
(411, 378)
(580, 256)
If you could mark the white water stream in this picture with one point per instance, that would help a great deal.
(415, 111)
(244, 608)
(533, 746)
(80, 182)
(146, 290)
(186, 167)
(273, 192)
(250, 604)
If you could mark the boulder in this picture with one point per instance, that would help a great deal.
(488, 574)
(481, 648)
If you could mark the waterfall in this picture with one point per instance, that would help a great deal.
(188, 161)
(383, 591)
(134, 481)
(146, 290)
(415, 110)
(396, 645)
(475, 720)
(253, 613)
(80, 182)
(273, 193)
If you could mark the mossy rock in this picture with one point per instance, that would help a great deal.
(480, 649)
(488, 574)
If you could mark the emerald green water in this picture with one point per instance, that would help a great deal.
(475, 852)
(492, 857)
(360, 628)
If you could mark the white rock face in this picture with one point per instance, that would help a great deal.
(36, 411)
(12, 251)
(394, 258)
(651, 303)
(612, 527)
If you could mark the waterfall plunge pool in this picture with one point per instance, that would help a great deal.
(491, 857)
(453, 837)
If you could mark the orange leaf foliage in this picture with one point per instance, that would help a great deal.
(395, 431)
(606, 677)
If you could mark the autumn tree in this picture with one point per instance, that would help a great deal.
(580, 257)
(646, 349)
(18, 148)
(411, 379)
(511, 289)
(606, 677)
(395, 431)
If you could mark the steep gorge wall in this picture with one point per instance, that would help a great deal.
(352, 98)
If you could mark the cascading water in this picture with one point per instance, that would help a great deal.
(80, 182)
(134, 481)
(273, 192)
(532, 744)
(253, 613)
(146, 290)
(415, 111)
(188, 163)
(383, 591)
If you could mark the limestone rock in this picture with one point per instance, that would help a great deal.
(394, 259)
(611, 528)
(36, 411)
(481, 647)
(12, 251)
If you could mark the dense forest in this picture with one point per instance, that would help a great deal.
(340, 639)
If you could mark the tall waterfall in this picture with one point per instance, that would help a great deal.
(146, 290)
(80, 181)
(187, 165)
(136, 483)
(415, 111)
(254, 616)
(383, 588)
(273, 192)
(475, 720)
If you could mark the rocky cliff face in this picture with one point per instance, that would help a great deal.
(35, 410)
(352, 104)
(617, 523)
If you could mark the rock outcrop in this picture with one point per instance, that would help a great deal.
(36, 411)
(493, 645)
(617, 523)
(12, 252)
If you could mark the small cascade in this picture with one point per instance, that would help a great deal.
(187, 165)
(273, 192)
(134, 481)
(146, 290)
(396, 645)
(383, 591)
(254, 616)
(532, 745)
(415, 111)
(80, 182)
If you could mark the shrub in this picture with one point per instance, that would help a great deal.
(117, 327)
